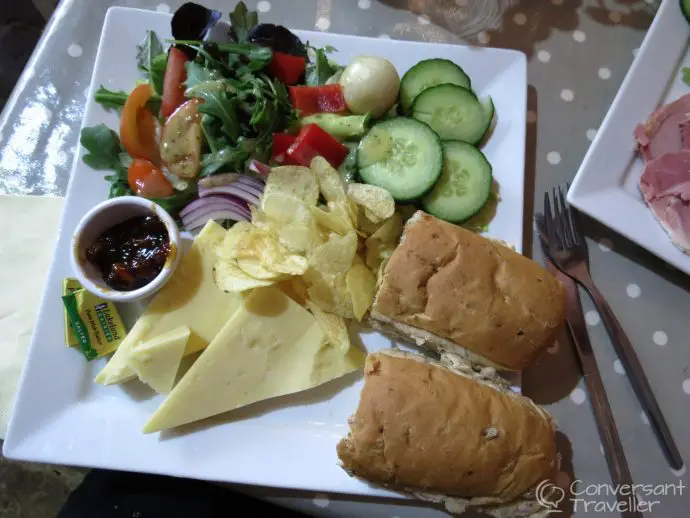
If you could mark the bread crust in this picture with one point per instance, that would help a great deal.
(424, 428)
(472, 292)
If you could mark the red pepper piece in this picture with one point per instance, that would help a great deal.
(286, 67)
(313, 141)
(281, 143)
(318, 99)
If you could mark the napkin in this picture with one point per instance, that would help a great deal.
(28, 231)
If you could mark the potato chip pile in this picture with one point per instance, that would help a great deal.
(321, 241)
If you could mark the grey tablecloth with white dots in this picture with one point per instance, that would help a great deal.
(579, 52)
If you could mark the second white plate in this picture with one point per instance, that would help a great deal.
(606, 185)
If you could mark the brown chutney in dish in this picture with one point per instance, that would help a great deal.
(132, 253)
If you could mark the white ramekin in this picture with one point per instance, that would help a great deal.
(104, 216)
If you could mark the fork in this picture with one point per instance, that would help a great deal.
(608, 431)
(569, 253)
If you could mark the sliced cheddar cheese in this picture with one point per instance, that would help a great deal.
(156, 362)
(272, 346)
(189, 298)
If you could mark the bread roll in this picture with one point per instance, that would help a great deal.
(440, 434)
(449, 289)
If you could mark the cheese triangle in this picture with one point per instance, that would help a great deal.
(270, 347)
(156, 362)
(189, 298)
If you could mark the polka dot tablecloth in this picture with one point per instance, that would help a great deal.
(579, 52)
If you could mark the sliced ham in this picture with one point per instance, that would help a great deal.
(666, 131)
(665, 186)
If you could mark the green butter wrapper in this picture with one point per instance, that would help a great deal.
(69, 285)
(95, 322)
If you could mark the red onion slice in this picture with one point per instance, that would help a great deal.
(218, 179)
(216, 205)
(218, 215)
(256, 191)
(240, 191)
(226, 201)
(251, 181)
(259, 167)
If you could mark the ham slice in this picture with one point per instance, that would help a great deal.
(666, 131)
(665, 186)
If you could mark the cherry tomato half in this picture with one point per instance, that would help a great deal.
(146, 180)
(138, 125)
(175, 76)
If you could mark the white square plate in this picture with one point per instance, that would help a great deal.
(62, 417)
(606, 185)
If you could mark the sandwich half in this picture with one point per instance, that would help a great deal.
(446, 433)
(448, 289)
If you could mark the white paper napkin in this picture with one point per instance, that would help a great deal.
(28, 231)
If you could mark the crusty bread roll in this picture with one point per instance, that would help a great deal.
(449, 434)
(449, 289)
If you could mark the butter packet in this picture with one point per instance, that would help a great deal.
(95, 322)
(69, 285)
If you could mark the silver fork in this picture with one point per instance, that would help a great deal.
(569, 253)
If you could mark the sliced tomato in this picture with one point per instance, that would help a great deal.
(138, 125)
(286, 67)
(147, 130)
(147, 181)
(173, 82)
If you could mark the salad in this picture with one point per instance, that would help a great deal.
(220, 105)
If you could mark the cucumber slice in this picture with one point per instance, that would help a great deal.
(451, 111)
(489, 110)
(464, 186)
(428, 73)
(348, 169)
(402, 155)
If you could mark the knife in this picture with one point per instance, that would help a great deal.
(608, 432)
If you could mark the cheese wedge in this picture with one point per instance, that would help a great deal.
(189, 298)
(271, 347)
(156, 362)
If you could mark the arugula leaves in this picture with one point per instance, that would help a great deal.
(261, 107)
(104, 153)
(228, 157)
(242, 105)
(229, 58)
(243, 20)
(115, 100)
(152, 60)
(320, 68)
(255, 53)
(197, 73)
(686, 75)
(110, 99)
(219, 104)
(147, 50)
(157, 71)
(103, 146)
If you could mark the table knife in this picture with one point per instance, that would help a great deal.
(608, 432)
